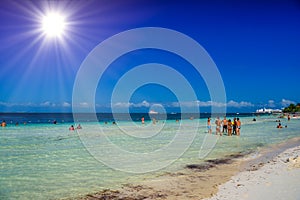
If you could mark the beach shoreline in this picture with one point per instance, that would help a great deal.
(276, 179)
(198, 181)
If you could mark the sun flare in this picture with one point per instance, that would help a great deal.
(53, 25)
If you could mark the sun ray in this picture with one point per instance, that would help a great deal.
(45, 57)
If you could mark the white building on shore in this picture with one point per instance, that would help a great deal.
(268, 110)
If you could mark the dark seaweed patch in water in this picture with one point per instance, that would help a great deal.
(208, 164)
(133, 194)
(220, 161)
(214, 162)
(234, 156)
(260, 145)
(200, 167)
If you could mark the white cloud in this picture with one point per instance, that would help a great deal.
(196, 103)
(6, 104)
(174, 104)
(66, 104)
(285, 102)
(47, 104)
(241, 104)
(204, 103)
(212, 103)
(271, 103)
(28, 104)
(84, 104)
(216, 104)
(178, 104)
(143, 104)
(128, 104)
(122, 104)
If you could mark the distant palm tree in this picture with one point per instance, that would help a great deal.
(292, 108)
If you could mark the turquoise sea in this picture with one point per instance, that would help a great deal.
(42, 160)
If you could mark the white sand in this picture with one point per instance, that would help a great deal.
(277, 179)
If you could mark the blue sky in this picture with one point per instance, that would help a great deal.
(254, 44)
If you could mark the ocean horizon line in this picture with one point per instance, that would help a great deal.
(46, 118)
(19, 112)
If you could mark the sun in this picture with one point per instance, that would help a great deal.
(53, 25)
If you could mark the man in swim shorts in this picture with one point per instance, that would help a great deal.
(208, 125)
(224, 122)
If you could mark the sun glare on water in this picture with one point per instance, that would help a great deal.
(53, 25)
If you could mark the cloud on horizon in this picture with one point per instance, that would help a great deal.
(47, 105)
(144, 103)
(285, 102)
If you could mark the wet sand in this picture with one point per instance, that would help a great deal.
(226, 178)
(193, 182)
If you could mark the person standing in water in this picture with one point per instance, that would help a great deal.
(208, 125)
(229, 127)
(218, 126)
(234, 126)
(143, 120)
(225, 124)
(238, 126)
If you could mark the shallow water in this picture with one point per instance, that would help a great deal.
(47, 161)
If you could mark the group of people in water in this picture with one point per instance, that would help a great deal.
(72, 128)
(279, 124)
(222, 126)
(228, 126)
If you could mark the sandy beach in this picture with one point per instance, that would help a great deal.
(277, 179)
(272, 173)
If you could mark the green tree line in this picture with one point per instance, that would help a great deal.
(292, 108)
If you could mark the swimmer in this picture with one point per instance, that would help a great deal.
(71, 128)
(3, 124)
(79, 127)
